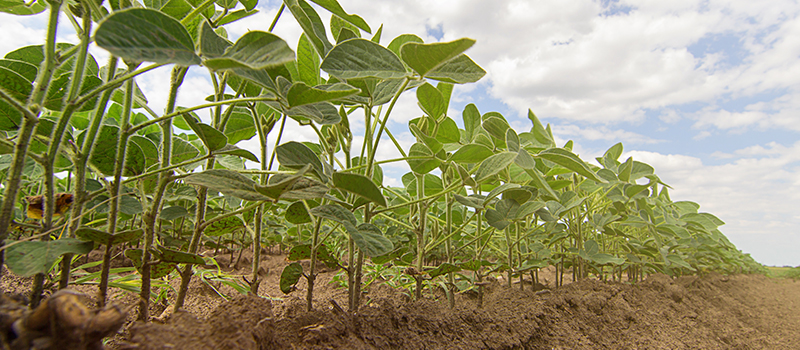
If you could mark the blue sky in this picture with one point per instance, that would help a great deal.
(705, 91)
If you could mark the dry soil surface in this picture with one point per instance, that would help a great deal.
(709, 312)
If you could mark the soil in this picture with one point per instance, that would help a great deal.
(690, 312)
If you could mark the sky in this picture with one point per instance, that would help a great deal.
(707, 92)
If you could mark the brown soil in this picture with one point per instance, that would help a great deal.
(710, 312)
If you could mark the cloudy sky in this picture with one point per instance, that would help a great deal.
(708, 92)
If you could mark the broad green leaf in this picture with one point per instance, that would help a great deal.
(103, 237)
(370, 240)
(237, 15)
(177, 9)
(129, 205)
(570, 161)
(428, 161)
(226, 225)
(460, 70)
(302, 94)
(433, 144)
(21, 7)
(496, 127)
(104, 153)
(24, 69)
(472, 121)
(255, 50)
(182, 150)
(529, 208)
(431, 101)
(212, 138)
(140, 34)
(211, 44)
(312, 25)
(174, 256)
(26, 259)
(433, 184)
(335, 213)
(539, 132)
(295, 155)
(281, 183)
(228, 182)
(677, 260)
(512, 140)
(473, 201)
(304, 188)
(336, 9)
(172, 213)
(19, 88)
(444, 269)
(290, 276)
(308, 62)
(361, 58)
(296, 213)
(323, 113)
(401, 40)
(360, 185)
(493, 165)
(424, 58)
(156, 271)
(448, 131)
(303, 251)
(471, 154)
(236, 151)
(499, 190)
(240, 126)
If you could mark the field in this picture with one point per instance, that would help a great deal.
(708, 312)
(493, 237)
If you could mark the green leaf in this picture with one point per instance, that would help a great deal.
(140, 34)
(21, 7)
(211, 44)
(335, 213)
(226, 225)
(172, 213)
(240, 126)
(182, 150)
(472, 121)
(130, 205)
(323, 113)
(443, 269)
(228, 182)
(295, 155)
(102, 237)
(496, 127)
(303, 251)
(312, 25)
(448, 131)
(493, 165)
(472, 201)
(361, 58)
(336, 9)
(26, 259)
(431, 101)
(281, 183)
(238, 152)
(212, 138)
(24, 69)
(302, 94)
(360, 185)
(424, 58)
(308, 62)
(290, 276)
(254, 50)
(370, 240)
(539, 132)
(19, 88)
(296, 213)
(570, 161)
(460, 70)
(422, 166)
(156, 271)
(304, 188)
(173, 256)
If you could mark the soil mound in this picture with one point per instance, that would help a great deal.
(711, 312)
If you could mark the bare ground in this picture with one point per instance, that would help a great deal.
(709, 312)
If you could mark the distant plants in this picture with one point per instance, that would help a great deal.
(481, 197)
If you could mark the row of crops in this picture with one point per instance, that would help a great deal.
(481, 198)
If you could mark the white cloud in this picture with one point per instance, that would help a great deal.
(602, 133)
